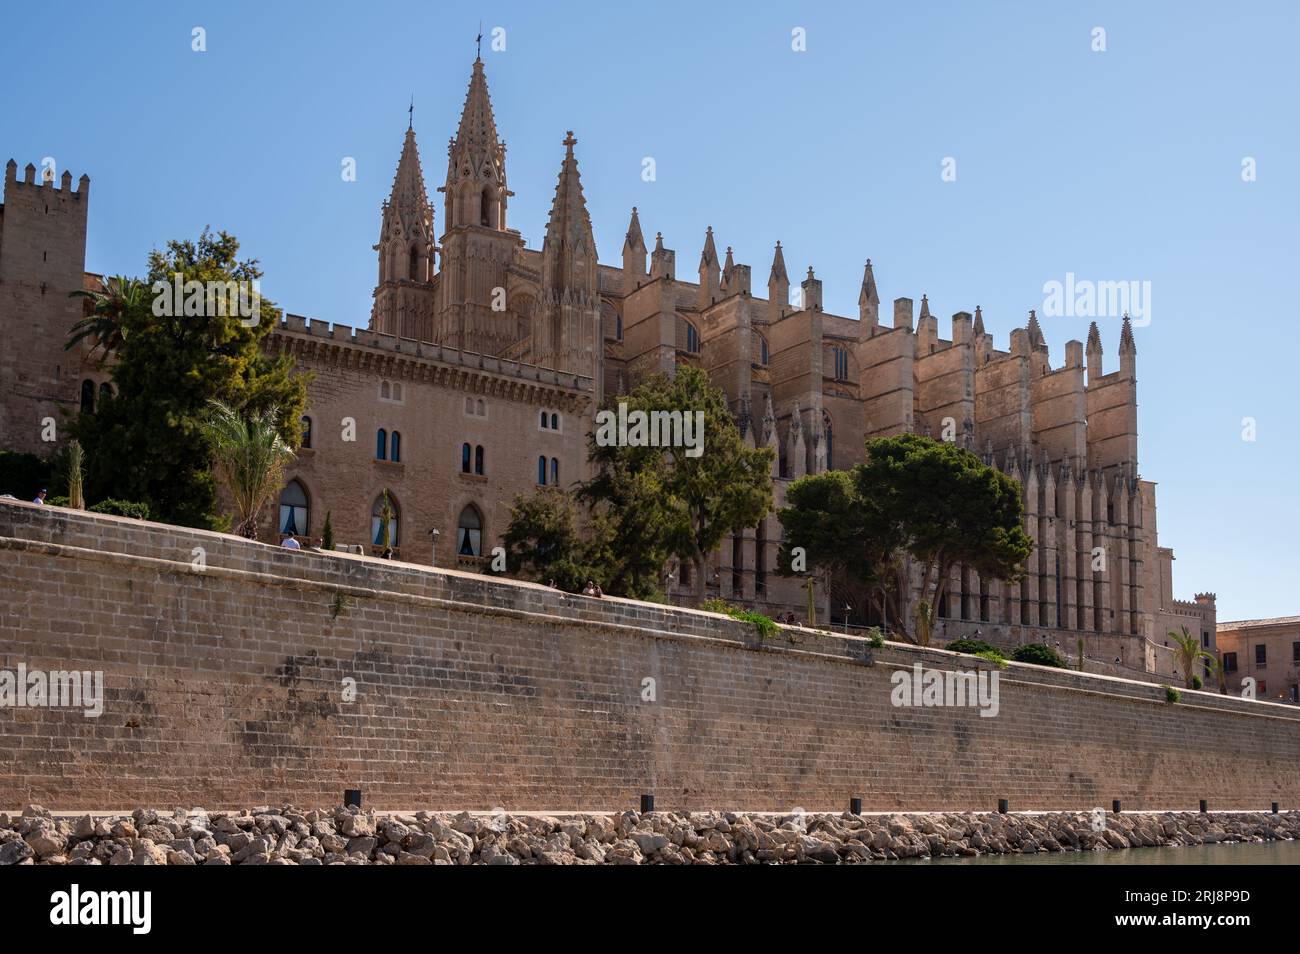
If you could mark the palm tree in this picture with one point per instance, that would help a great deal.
(1187, 649)
(109, 304)
(76, 460)
(250, 456)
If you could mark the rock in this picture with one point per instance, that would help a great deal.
(46, 842)
(15, 852)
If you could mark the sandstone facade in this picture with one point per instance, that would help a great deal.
(484, 361)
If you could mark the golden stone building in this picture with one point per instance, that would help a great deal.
(483, 362)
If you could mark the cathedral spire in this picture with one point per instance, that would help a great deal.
(476, 175)
(1036, 340)
(709, 288)
(569, 250)
(868, 296)
(778, 286)
(406, 252)
(978, 327)
(1126, 343)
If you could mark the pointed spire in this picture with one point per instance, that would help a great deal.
(925, 307)
(979, 321)
(569, 250)
(478, 128)
(1036, 340)
(728, 267)
(868, 295)
(408, 199)
(1094, 339)
(634, 241)
(769, 422)
(778, 273)
(1126, 343)
(709, 256)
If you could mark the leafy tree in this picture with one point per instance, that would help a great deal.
(672, 500)
(544, 542)
(947, 508)
(250, 456)
(327, 534)
(842, 539)
(1187, 650)
(145, 442)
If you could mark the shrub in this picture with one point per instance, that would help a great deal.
(994, 657)
(1197, 682)
(875, 638)
(122, 508)
(972, 646)
(715, 605)
(61, 501)
(1172, 695)
(1039, 655)
(764, 624)
(327, 534)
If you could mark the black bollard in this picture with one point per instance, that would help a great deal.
(1275, 808)
(647, 804)
(1114, 806)
(1205, 806)
(352, 796)
(1002, 806)
(855, 806)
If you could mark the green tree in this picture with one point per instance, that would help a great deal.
(545, 542)
(145, 442)
(947, 508)
(250, 456)
(1187, 650)
(678, 500)
(327, 534)
(833, 533)
(108, 308)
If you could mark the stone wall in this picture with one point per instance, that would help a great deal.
(224, 687)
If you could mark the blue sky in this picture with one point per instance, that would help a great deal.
(1117, 165)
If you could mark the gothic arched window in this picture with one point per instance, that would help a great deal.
(306, 431)
(464, 458)
(469, 533)
(381, 444)
(293, 509)
(377, 523)
(541, 471)
(555, 471)
(395, 444)
(478, 460)
(87, 396)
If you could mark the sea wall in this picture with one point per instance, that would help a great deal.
(237, 673)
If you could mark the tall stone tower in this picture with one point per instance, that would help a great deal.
(42, 260)
(568, 314)
(405, 299)
(477, 248)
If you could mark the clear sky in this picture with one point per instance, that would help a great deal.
(1115, 165)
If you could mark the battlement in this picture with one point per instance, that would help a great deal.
(300, 327)
(44, 185)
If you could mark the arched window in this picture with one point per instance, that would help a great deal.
(464, 458)
(306, 431)
(384, 391)
(478, 460)
(841, 364)
(395, 443)
(555, 422)
(381, 445)
(485, 208)
(87, 396)
(415, 264)
(762, 350)
(293, 510)
(377, 523)
(555, 471)
(469, 406)
(397, 391)
(541, 471)
(545, 419)
(105, 390)
(469, 533)
(692, 339)
(481, 408)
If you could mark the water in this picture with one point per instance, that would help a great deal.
(1264, 853)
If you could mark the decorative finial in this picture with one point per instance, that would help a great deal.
(478, 54)
(410, 113)
(569, 143)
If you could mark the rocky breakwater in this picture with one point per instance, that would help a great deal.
(289, 836)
